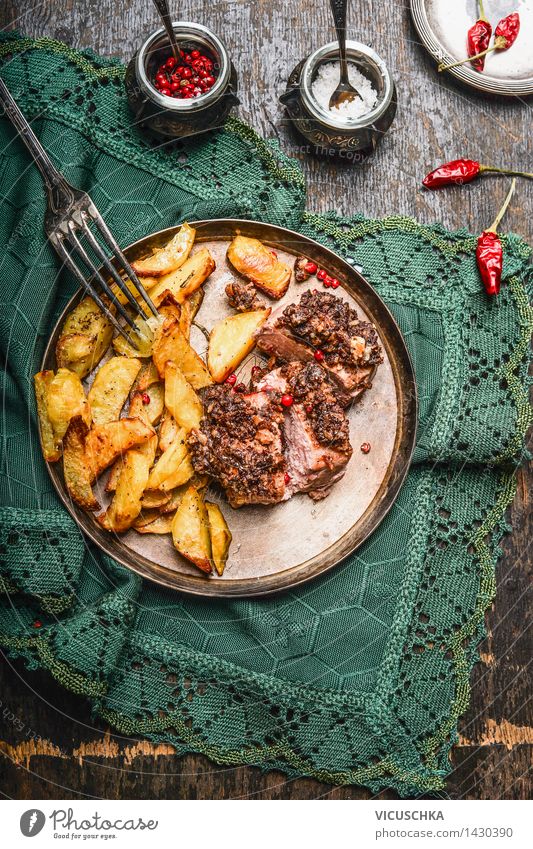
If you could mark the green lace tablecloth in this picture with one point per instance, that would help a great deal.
(359, 677)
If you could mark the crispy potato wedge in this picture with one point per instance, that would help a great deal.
(154, 499)
(180, 398)
(189, 308)
(111, 387)
(143, 341)
(171, 345)
(168, 258)
(168, 430)
(231, 340)
(114, 475)
(187, 279)
(85, 337)
(147, 282)
(65, 399)
(190, 530)
(126, 503)
(156, 402)
(159, 525)
(173, 467)
(76, 471)
(257, 263)
(146, 377)
(106, 442)
(42, 381)
(220, 536)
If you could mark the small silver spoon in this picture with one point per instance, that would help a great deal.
(162, 8)
(345, 92)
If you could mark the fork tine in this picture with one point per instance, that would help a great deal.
(71, 265)
(96, 274)
(119, 256)
(110, 268)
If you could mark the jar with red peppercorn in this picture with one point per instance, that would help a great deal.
(177, 100)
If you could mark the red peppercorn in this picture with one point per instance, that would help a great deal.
(311, 267)
(170, 63)
(287, 477)
(37, 624)
(287, 400)
(256, 370)
(319, 355)
(174, 86)
(145, 398)
(365, 447)
(231, 379)
(195, 54)
(186, 73)
(328, 281)
(321, 274)
(241, 387)
(335, 283)
(309, 409)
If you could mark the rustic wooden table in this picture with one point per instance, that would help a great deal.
(51, 747)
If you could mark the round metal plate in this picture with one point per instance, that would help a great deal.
(277, 547)
(442, 26)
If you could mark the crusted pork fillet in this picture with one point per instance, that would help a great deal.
(321, 322)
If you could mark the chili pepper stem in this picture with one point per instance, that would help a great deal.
(499, 44)
(511, 173)
(482, 16)
(496, 223)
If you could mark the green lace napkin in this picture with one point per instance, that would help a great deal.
(359, 677)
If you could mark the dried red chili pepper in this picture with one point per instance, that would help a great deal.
(505, 36)
(478, 38)
(460, 171)
(489, 251)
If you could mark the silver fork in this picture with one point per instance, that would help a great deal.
(69, 216)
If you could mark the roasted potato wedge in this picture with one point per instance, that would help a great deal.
(180, 398)
(106, 442)
(154, 499)
(231, 340)
(168, 258)
(187, 279)
(171, 345)
(111, 387)
(85, 337)
(173, 467)
(158, 525)
(50, 448)
(168, 430)
(114, 474)
(65, 399)
(189, 308)
(126, 503)
(143, 341)
(76, 471)
(146, 377)
(220, 536)
(190, 530)
(257, 263)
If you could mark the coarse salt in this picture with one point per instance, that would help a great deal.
(326, 82)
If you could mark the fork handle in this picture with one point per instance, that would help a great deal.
(339, 12)
(56, 185)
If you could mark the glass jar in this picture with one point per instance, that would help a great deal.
(351, 138)
(172, 117)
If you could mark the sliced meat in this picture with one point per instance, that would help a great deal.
(243, 296)
(239, 443)
(321, 321)
(316, 430)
